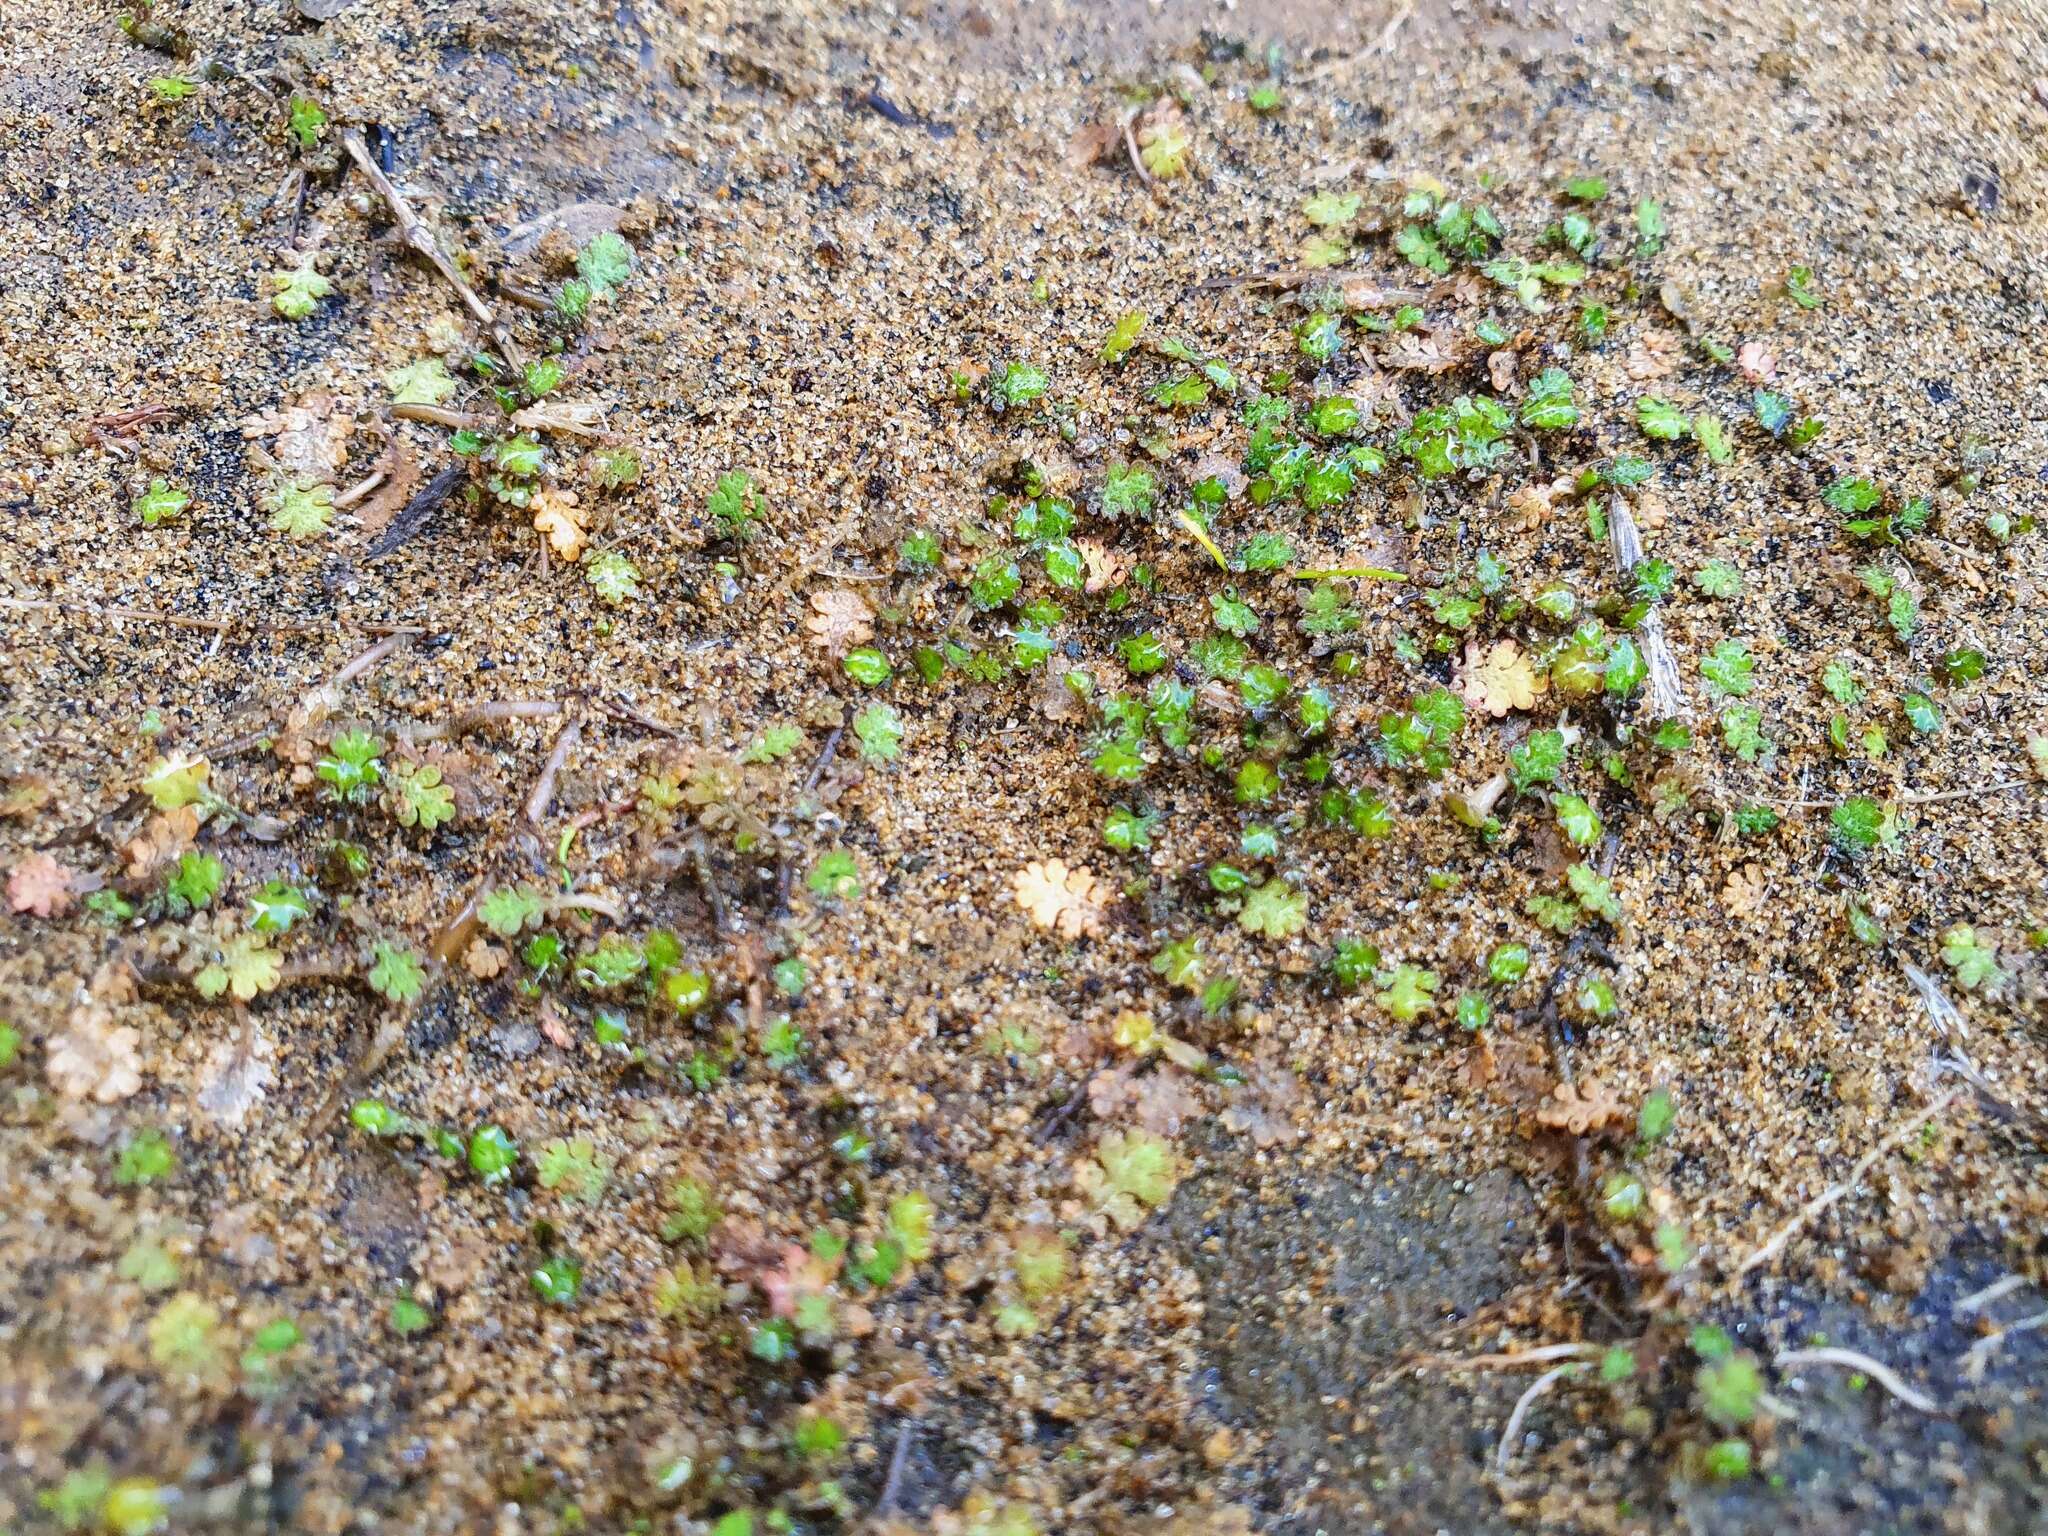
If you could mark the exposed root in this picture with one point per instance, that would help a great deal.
(1997, 1290)
(318, 702)
(1979, 1354)
(1523, 1404)
(543, 794)
(1128, 123)
(1855, 1360)
(355, 493)
(1540, 1355)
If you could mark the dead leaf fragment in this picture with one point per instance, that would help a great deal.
(93, 1059)
(1745, 891)
(1105, 565)
(841, 620)
(1419, 354)
(1756, 362)
(1500, 679)
(39, 886)
(24, 797)
(1653, 355)
(311, 436)
(1090, 142)
(161, 841)
(558, 519)
(1583, 1109)
(1069, 901)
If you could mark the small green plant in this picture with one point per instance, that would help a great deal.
(1131, 1172)
(305, 121)
(407, 1317)
(835, 876)
(1549, 406)
(867, 666)
(737, 506)
(1860, 824)
(558, 1280)
(1729, 669)
(353, 767)
(193, 884)
(297, 291)
(1974, 962)
(1123, 336)
(492, 1154)
(1661, 420)
(300, 510)
(575, 1168)
(418, 797)
(1406, 991)
(605, 263)
(243, 966)
(614, 578)
(1017, 384)
(1275, 909)
(161, 503)
(880, 731)
(145, 1158)
(396, 973)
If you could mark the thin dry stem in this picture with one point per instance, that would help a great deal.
(1835, 1192)
(417, 236)
(1337, 68)
(472, 717)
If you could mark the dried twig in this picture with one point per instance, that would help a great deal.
(824, 757)
(417, 236)
(544, 788)
(899, 1459)
(1927, 797)
(1834, 1192)
(414, 514)
(1855, 1360)
(1537, 1388)
(437, 416)
(1667, 698)
(618, 709)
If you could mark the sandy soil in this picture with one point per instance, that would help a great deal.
(834, 217)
